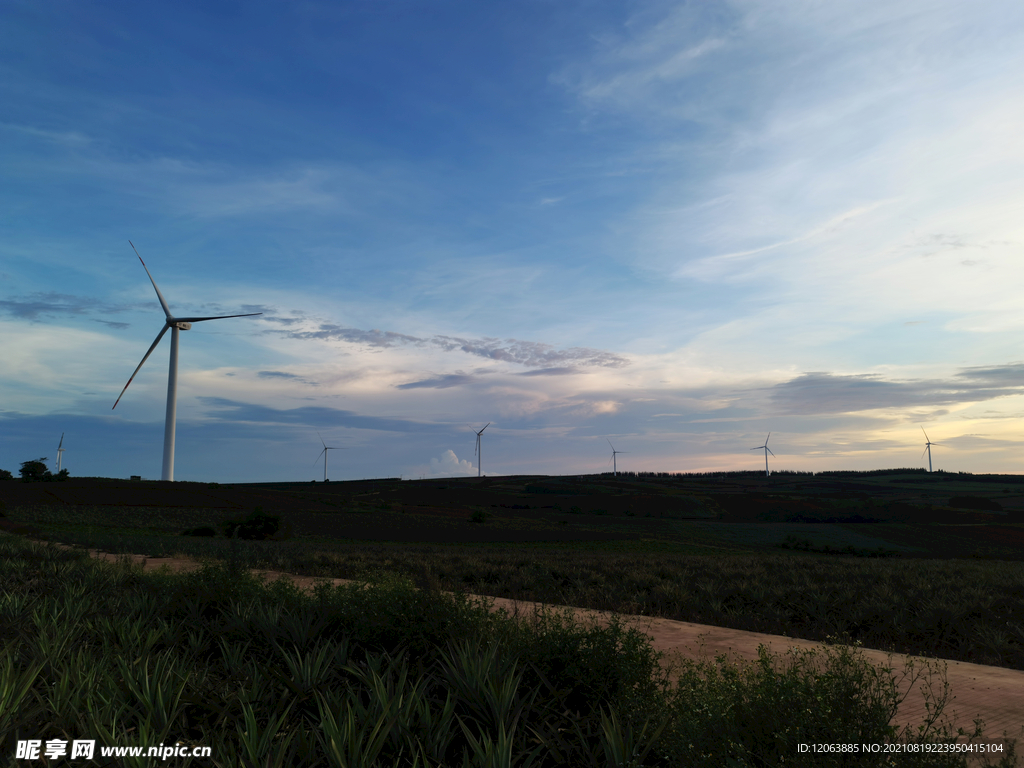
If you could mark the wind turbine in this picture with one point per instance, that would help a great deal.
(615, 465)
(767, 450)
(324, 453)
(175, 324)
(928, 449)
(60, 450)
(478, 452)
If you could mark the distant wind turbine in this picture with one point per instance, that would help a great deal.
(478, 453)
(324, 453)
(175, 324)
(615, 464)
(928, 449)
(767, 450)
(60, 450)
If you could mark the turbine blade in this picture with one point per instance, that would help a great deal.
(321, 437)
(924, 451)
(319, 455)
(215, 317)
(144, 359)
(62, 440)
(767, 438)
(163, 302)
(482, 430)
(769, 450)
(926, 435)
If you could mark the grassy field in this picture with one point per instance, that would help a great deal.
(901, 561)
(387, 674)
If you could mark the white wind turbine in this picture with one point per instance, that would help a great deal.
(324, 453)
(477, 452)
(615, 464)
(767, 450)
(60, 450)
(928, 449)
(175, 324)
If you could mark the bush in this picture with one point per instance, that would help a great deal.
(202, 530)
(756, 713)
(257, 525)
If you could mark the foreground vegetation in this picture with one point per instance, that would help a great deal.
(965, 610)
(387, 674)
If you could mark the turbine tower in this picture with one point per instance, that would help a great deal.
(324, 453)
(478, 453)
(928, 449)
(175, 324)
(767, 450)
(615, 465)
(60, 450)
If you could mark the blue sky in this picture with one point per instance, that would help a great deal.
(677, 226)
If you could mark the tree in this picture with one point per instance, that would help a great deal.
(35, 471)
(6, 475)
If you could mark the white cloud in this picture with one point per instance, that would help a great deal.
(449, 465)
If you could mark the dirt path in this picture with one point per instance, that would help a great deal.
(993, 694)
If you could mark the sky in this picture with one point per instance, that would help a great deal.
(671, 227)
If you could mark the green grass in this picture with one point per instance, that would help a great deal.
(385, 674)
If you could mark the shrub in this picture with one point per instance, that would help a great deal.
(257, 525)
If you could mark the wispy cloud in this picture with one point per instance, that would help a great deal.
(223, 409)
(824, 393)
(530, 353)
(276, 375)
(49, 305)
(527, 353)
(45, 304)
(562, 371)
(440, 382)
(371, 338)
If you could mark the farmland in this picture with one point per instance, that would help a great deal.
(930, 564)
